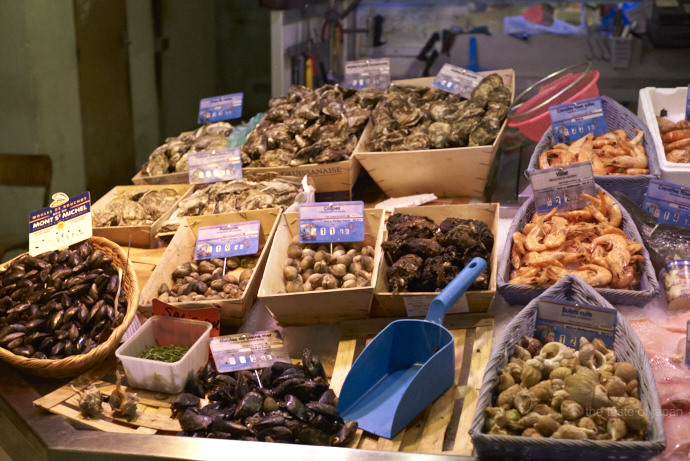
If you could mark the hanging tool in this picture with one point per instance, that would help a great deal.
(444, 55)
(332, 33)
(309, 70)
(473, 66)
(378, 30)
(421, 62)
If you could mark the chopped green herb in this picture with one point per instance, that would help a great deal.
(171, 353)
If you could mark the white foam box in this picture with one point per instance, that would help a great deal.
(142, 236)
(181, 250)
(161, 330)
(650, 104)
(389, 304)
(450, 172)
(317, 307)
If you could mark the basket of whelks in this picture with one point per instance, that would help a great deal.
(64, 311)
(600, 243)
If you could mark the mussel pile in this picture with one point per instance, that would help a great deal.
(208, 279)
(424, 256)
(286, 403)
(309, 126)
(59, 303)
(171, 157)
(243, 194)
(415, 118)
(136, 208)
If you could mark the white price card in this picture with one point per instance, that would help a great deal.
(64, 222)
(218, 108)
(248, 351)
(367, 73)
(572, 120)
(457, 80)
(330, 222)
(567, 322)
(215, 165)
(562, 187)
(227, 240)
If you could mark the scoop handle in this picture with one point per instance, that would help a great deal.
(452, 292)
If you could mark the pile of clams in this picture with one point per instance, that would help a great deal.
(424, 256)
(208, 279)
(286, 403)
(136, 208)
(171, 157)
(59, 303)
(555, 391)
(416, 118)
(243, 194)
(309, 126)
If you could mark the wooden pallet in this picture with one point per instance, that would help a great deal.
(443, 427)
(153, 409)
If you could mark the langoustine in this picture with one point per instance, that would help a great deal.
(587, 242)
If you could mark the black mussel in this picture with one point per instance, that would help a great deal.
(73, 281)
(7, 329)
(328, 397)
(96, 312)
(242, 387)
(88, 300)
(312, 436)
(25, 282)
(73, 259)
(35, 337)
(52, 258)
(312, 364)
(296, 407)
(230, 427)
(85, 249)
(73, 332)
(286, 386)
(184, 401)
(46, 344)
(345, 434)
(223, 394)
(95, 258)
(60, 334)
(192, 420)
(278, 368)
(55, 321)
(105, 331)
(58, 348)
(24, 351)
(70, 313)
(195, 386)
(327, 424)
(323, 408)
(16, 343)
(80, 268)
(39, 355)
(213, 412)
(219, 380)
(112, 284)
(17, 294)
(34, 325)
(309, 390)
(276, 434)
(44, 275)
(290, 373)
(36, 263)
(93, 291)
(250, 404)
(77, 290)
(35, 312)
(60, 273)
(69, 348)
(19, 309)
(83, 313)
(269, 421)
(62, 256)
(79, 344)
(9, 338)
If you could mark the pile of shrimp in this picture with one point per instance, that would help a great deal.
(676, 139)
(611, 153)
(587, 242)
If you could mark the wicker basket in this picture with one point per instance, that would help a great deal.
(522, 294)
(627, 347)
(617, 117)
(74, 365)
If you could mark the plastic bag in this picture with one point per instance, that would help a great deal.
(522, 28)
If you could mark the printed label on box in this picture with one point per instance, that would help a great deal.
(219, 108)
(65, 222)
(330, 222)
(248, 351)
(668, 203)
(215, 165)
(418, 305)
(207, 314)
(572, 120)
(227, 240)
(561, 187)
(567, 322)
(457, 80)
(367, 73)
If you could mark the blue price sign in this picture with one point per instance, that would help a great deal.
(218, 108)
(329, 222)
(572, 120)
(227, 240)
(668, 203)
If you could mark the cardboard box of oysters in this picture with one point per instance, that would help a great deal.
(135, 212)
(450, 151)
(230, 284)
(424, 248)
(307, 284)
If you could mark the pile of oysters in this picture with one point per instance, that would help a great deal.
(415, 118)
(171, 157)
(310, 126)
(136, 207)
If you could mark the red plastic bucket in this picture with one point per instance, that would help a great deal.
(531, 117)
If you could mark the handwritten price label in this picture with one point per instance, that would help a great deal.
(208, 314)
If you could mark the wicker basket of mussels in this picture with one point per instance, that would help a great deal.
(546, 400)
(63, 312)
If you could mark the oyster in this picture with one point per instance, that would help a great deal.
(140, 207)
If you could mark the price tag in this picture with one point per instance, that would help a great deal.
(329, 222)
(668, 203)
(572, 120)
(64, 222)
(226, 240)
(207, 314)
(566, 322)
(561, 187)
(368, 73)
(215, 165)
(457, 80)
(247, 351)
(218, 108)
(687, 105)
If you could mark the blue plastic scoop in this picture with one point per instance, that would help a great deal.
(408, 365)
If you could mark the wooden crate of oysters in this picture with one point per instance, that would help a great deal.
(167, 164)
(425, 247)
(132, 215)
(312, 132)
(229, 284)
(420, 139)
